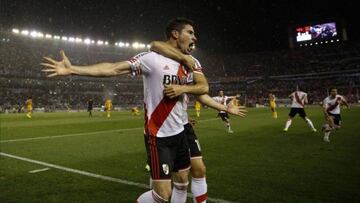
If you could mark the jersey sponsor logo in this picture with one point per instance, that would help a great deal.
(174, 80)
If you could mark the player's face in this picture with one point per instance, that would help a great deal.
(187, 39)
(333, 92)
(221, 93)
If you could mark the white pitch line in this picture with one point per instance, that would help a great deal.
(79, 134)
(85, 173)
(69, 135)
(39, 170)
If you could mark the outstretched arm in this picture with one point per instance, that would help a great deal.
(344, 102)
(306, 99)
(64, 67)
(231, 108)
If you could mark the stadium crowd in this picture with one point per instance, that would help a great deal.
(253, 75)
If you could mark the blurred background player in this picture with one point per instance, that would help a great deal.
(29, 107)
(222, 99)
(299, 99)
(331, 108)
(90, 107)
(108, 107)
(272, 103)
(135, 111)
(237, 100)
(197, 108)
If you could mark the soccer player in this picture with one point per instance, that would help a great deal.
(331, 108)
(197, 108)
(167, 145)
(299, 99)
(198, 169)
(29, 107)
(135, 111)
(272, 103)
(108, 107)
(90, 107)
(222, 99)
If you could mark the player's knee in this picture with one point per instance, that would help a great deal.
(198, 171)
(163, 192)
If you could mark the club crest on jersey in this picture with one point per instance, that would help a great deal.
(166, 67)
(165, 168)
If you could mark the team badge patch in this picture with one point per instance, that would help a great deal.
(165, 168)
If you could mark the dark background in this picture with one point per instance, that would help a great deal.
(221, 26)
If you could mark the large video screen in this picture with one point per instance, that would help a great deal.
(316, 32)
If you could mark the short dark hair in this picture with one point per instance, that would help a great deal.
(332, 88)
(177, 24)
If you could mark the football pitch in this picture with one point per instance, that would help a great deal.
(70, 157)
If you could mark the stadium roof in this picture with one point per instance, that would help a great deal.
(222, 26)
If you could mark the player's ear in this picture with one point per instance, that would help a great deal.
(175, 34)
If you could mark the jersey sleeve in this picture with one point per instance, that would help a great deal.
(325, 105)
(198, 68)
(138, 64)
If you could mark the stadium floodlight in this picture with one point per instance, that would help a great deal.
(40, 34)
(106, 43)
(100, 42)
(25, 32)
(135, 45)
(71, 39)
(316, 43)
(148, 46)
(326, 42)
(92, 41)
(33, 34)
(78, 40)
(116, 44)
(127, 44)
(87, 41)
(332, 41)
(48, 36)
(121, 44)
(337, 40)
(64, 38)
(16, 31)
(56, 37)
(142, 46)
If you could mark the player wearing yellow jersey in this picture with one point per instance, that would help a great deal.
(29, 107)
(135, 111)
(108, 107)
(197, 108)
(272, 103)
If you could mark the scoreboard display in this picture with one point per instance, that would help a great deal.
(316, 32)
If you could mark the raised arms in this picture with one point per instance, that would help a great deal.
(64, 67)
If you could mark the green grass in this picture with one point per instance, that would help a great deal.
(258, 163)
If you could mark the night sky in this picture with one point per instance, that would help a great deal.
(221, 26)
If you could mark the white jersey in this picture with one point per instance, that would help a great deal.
(221, 100)
(163, 116)
(185, 102)
(298, 99)
(332, 105)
